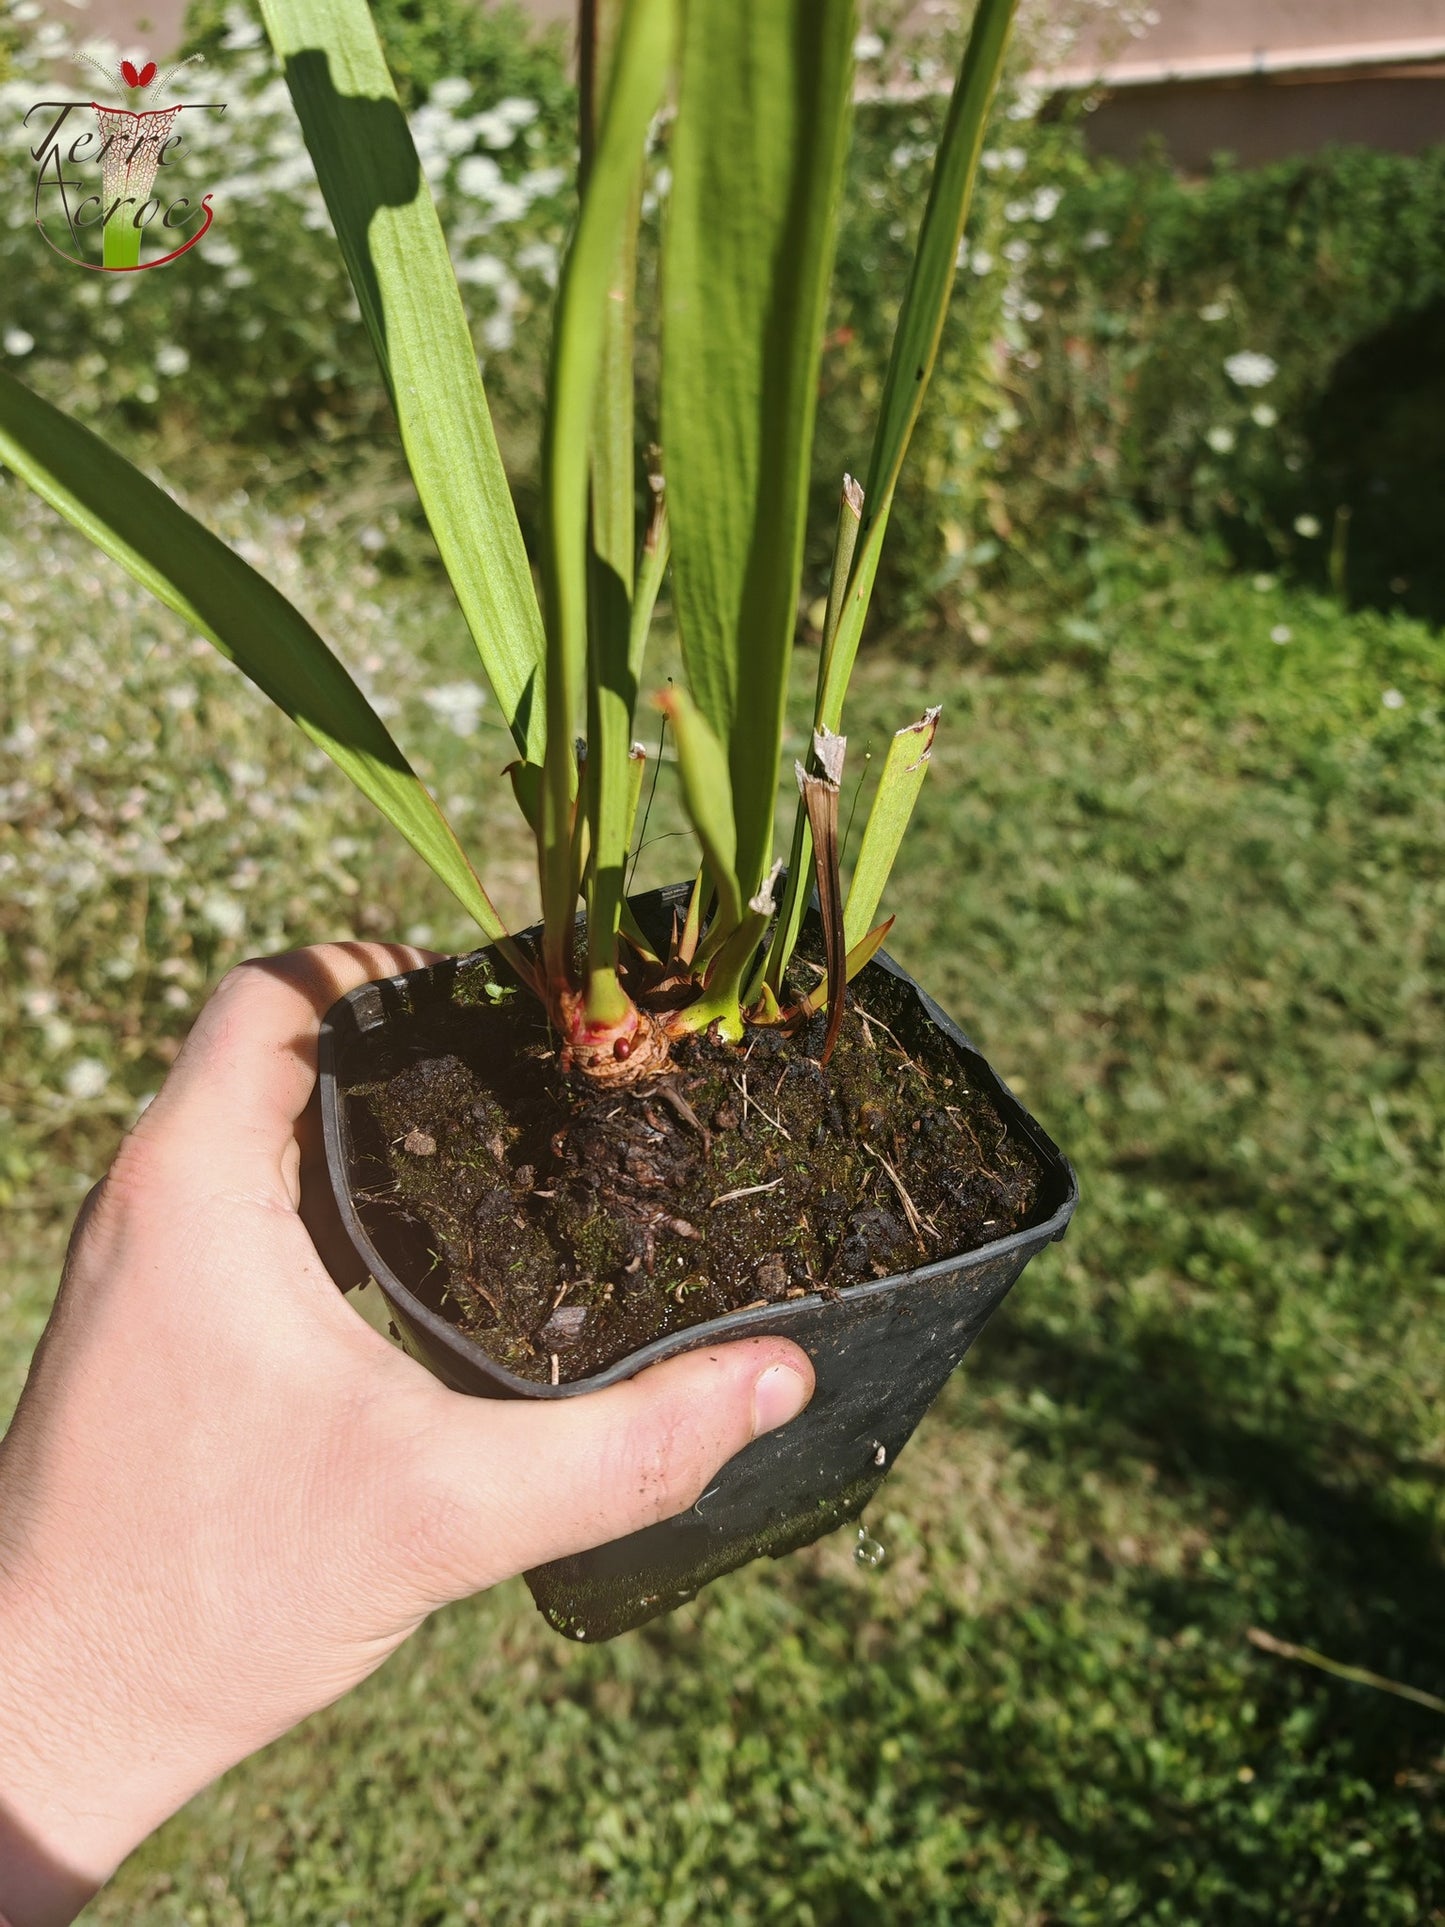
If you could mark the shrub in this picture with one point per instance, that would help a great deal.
(1179, 349)
(257, 335)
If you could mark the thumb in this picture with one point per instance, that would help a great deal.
(521, 1483)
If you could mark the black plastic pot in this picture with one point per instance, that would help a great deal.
(882, 1352)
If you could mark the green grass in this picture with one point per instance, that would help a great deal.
(1184, 884)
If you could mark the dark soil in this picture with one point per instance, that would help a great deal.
(563, 1229)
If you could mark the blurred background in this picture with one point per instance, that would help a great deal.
(1168, 552)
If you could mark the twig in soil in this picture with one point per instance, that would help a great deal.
(556, 1368)
(1357, 1675)
(746, 1191)
(670, 1094)
(776, 1123)
(910, 1209)
(961, 1123)
(869, 1018)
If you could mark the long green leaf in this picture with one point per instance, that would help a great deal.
(707, 794)
(757, 157)
(396, 255)
(904, 769)
(611, 673)
(800, 857)
(250, 622)
(640, 62)
(920, 325)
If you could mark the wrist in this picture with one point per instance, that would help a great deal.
(76, 1792)
(36, 1889)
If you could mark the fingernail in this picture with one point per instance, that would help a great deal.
(780, 1394)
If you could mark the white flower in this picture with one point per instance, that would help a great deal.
(1263, 414)
(172, 359)
(867, 46)
(983, 262)
(538, 257)
(1095, 239)
(18, 342)
(1308, 526)
(1392, 699)
(482, 271)
(1214, 311)
(86, 1078)
(1046, 203)
(479, 176)
(39, 1003)
(372, 541)
(1248, 369)
(241, 33)
(458, 705)
(1281, 632)
(521, 113)
(225, 916)
(1264, 583)
(1220, 438)
(494, 129)
(451, 92)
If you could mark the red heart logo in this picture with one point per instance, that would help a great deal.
(147, 74)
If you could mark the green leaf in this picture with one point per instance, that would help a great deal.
(904, 769)
(580, 336)
(611, 669)
(757, 157)
(251, 623)
(708, 795)
(396, 255)
(862, 952)
(920, 326)
(795, 896)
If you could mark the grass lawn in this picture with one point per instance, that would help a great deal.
(1179, 869)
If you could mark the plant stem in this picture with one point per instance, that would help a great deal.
(721, 1002)
(120, 243)
(795, 896)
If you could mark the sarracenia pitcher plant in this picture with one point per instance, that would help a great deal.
(754, 100)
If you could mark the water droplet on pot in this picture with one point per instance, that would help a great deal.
(868, 1553)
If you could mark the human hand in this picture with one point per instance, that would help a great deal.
(225, 1499)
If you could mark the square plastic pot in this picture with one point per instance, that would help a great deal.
(882, 1352)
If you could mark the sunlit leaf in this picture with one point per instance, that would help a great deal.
(208, 585)
(396, 255)
(757, 157)
(904, 769)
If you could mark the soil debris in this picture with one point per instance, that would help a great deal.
(747, 1175)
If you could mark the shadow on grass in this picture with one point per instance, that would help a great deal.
(1374, 475)
(1365, 1577)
